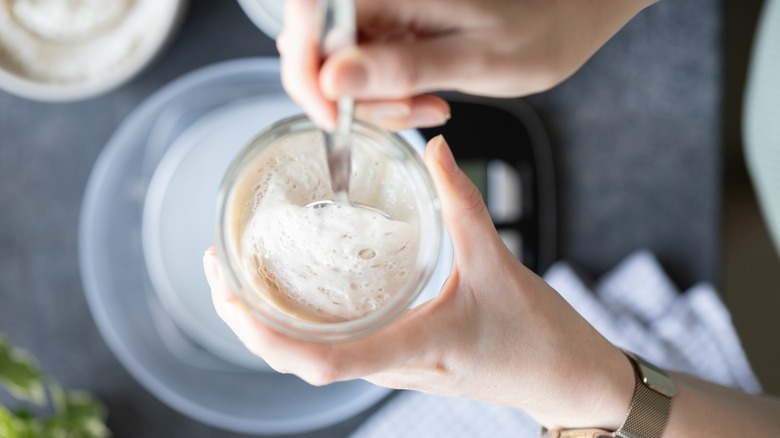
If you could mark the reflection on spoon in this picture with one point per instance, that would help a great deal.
(326, 203)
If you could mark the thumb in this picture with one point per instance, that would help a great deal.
(464, 212)
(392, 70)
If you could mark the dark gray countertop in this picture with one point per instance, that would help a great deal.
(636, 137)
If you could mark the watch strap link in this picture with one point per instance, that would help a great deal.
(649, 410)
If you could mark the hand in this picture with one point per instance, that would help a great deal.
(496, 332)
(409, 48)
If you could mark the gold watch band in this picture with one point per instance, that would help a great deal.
(576, 433)
(652, 401)
(649, 410)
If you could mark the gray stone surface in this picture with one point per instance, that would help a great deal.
(636, 135)
(637, 139)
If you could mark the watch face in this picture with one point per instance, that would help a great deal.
(655, 378)
(658, 382)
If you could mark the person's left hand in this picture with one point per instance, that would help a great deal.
(496, 332)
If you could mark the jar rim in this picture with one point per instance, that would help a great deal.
(317, 331)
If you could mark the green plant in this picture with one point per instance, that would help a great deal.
(74, 414)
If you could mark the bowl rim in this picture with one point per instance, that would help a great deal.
(256, 11)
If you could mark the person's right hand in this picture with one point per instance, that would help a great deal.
(409, 48)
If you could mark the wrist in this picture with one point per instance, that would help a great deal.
(614, 389)
(650, 406)
(600, 396)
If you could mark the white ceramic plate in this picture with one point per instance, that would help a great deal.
(179, 215)
(178, 220)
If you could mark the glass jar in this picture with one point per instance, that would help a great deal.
(269, 241)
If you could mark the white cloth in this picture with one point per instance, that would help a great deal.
(635, 306)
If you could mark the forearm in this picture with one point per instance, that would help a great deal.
(705, 409)
(699, 408)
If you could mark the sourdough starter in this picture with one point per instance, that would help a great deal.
(334, 263)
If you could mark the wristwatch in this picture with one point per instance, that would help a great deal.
(649, 408)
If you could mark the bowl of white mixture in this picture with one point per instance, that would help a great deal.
(57, 50)
(338, 272)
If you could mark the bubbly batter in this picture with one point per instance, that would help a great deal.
(327, 264)
(62, 41)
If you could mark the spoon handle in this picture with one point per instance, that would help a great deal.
(338, 25)
(338, 31)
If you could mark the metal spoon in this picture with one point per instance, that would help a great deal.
(338, 30)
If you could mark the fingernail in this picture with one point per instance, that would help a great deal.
(444, 155)
(383, 111)
(424, 119)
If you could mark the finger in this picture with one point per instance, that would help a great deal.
(392, 70)
(213, 274)
(321, 363)
(421, 111)
(406, 344)
(221, 296)
(474, 238)
(232, 310)
(300, 61)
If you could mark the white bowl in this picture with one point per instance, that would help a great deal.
(174, 129)
(266, 14)
(156, 34)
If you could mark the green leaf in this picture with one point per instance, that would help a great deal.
(82, 416)
(18, 426)
(8, 426)
(20, 375)
(76, 414)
